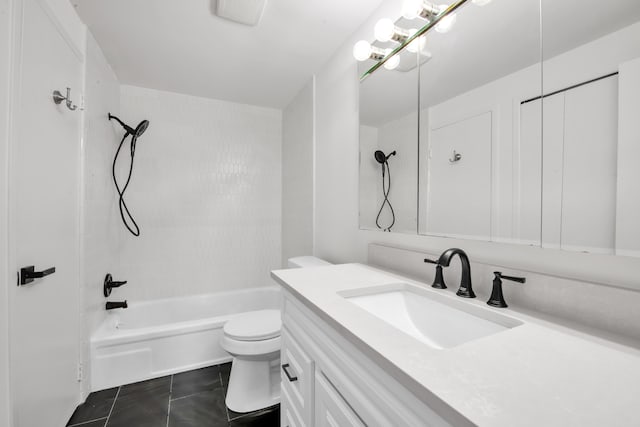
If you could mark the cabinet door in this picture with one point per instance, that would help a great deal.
(297, 376)
(289, 417)
(331, 409)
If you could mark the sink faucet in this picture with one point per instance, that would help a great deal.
(465, 290)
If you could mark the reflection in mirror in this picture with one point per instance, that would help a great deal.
(388, 146)
(479, 172)
(591, 115)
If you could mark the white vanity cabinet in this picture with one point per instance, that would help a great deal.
(328, 381)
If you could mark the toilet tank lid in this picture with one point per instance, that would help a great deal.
(306, 261)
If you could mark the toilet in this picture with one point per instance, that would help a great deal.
(253, 339)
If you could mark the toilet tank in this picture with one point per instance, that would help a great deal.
(306, 261)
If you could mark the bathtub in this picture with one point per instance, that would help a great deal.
(156, 338)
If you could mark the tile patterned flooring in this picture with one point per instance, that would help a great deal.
(188, 399)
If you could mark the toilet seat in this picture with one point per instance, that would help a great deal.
(254, 326)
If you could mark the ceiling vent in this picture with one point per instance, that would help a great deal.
(247, 12)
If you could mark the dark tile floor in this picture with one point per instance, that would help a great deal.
(188, 399)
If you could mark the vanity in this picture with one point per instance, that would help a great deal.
(364, 346)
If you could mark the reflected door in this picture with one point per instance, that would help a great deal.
(459, 196)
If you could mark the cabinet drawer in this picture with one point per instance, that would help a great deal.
(297, 376)
(289, 417)
(331, 408)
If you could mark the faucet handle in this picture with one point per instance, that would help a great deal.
(497, 298)
(438, 282)
(512, 278)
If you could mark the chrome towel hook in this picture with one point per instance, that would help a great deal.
(456, 157)
(58, 98)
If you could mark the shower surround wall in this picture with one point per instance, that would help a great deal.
(206, 193)
(101, 234)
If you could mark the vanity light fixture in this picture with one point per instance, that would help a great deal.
(385, 30)
(446, 24)
(438, 17)
(363, 50)
(481, 2)
(393, 62)
(412, 9)
(418, 44)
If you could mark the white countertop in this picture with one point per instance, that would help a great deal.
(536, 374)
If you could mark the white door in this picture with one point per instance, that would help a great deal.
(44, 228)
(459, 196)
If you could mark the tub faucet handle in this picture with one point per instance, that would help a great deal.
(109, 284)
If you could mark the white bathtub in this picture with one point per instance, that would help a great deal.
(156, 338)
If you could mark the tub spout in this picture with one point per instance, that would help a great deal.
(116, 304)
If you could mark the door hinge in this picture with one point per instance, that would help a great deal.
(80, 372)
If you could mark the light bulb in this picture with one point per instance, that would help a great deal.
(392, 62)
(384, 30)
(416, 45)
(481, 2)
(446, 23)
(362, 50)
(411, 8)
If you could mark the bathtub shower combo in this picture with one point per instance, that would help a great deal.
(156, 338)
(162, 337)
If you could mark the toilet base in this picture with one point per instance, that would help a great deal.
(253, 384)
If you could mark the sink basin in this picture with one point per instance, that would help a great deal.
(437, 320)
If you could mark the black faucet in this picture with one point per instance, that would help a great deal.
(109, 284)
(116, 304)
(465, 290)
(497, 299)
(438, 282)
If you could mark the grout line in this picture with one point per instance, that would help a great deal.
(87, 422)
(169, 406)
(225, 401)
(112, 406)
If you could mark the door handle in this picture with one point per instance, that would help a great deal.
(286, 372)
(28, 274)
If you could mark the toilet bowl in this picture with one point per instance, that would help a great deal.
(253, 339)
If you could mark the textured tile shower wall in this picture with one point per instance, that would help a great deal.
(101, 240)
(206, 192)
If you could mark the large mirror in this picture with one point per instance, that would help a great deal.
(480, 158)
(591, 114)
(528, 128)
(388, 145)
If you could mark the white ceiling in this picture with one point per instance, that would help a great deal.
(182, 46)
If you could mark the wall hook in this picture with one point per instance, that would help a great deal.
(456, 157)
(58, 98)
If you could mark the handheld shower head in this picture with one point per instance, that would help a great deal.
(381, 157)
(141, 128)
(138, 131)
(127, 218)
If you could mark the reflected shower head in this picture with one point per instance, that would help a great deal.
(138, 131)
(381, 158)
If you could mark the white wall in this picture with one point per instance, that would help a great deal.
(338, 238)
(206, 193)
(101, 237)
(628, 208)
(297, 176)
(5, 277)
